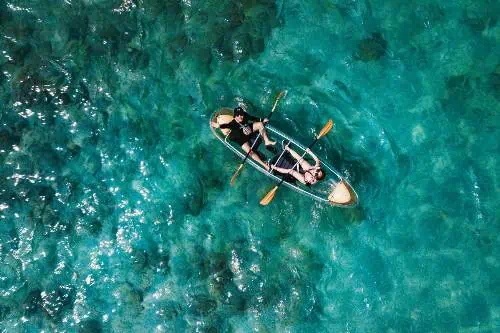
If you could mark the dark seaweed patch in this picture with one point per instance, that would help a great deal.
(372, 48)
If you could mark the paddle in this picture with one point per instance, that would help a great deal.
(270, 195)
(235, 175)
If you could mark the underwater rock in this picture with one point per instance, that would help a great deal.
(477, 24)
(240, 35)
(141, 279)
(372, 48)
(169, 310)
(36, 85)
(84, 91)
(237, 302)
(90, 326)
(494, 82)
(54, 302)
(240, 45)
(78, 27)
(94, 226)
(475, 311)
(186, 192)
(218, 263)
(159, 262)
(19, 163)
(32, 302)
(457, 82)
(137, 59)
(9, 237)
(195, 203)
(220, 279)
(131, 296)
(8, 138)
(9, 277)
(74, 149)
(21, 54)
(139, 259)
(110, 37)
(4, 312)
(65, 98)
(46, 193)
(5, 15)
(458, 87)
(478, 17)
(202, 305)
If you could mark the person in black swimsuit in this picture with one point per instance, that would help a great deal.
(303, 171)
(242, 126)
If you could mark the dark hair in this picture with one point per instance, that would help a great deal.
(238, 111)
(319, 175)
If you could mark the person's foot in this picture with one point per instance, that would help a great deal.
(285, 143)
(270, 143)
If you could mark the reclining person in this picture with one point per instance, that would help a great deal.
(304, 172)
(242, 126)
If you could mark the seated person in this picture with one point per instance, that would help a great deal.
(242, 126)
(302, 171)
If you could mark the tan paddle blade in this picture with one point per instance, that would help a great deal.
(326, 129)
(269, 196)
(235, 175)
(277, 99)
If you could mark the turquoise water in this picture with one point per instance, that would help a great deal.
(116, 212)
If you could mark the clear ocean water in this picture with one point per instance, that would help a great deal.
(116, 213)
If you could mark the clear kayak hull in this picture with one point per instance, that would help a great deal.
(333, 189)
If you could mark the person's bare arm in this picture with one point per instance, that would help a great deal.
(303, 163)
(292, 172)
(281, 170)
(298, 176)
(314, 157)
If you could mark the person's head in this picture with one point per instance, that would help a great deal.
(311, 177)
(319, 174)
(238, 114)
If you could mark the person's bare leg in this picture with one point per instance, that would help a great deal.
(246, 148)
(259, 126)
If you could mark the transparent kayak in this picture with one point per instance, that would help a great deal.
(333, 189)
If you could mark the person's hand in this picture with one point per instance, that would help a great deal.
(308, 150)
(287, 148)
(265, 121)
(214, 124)
(273, 167)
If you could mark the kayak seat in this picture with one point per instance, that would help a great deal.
(224, 119)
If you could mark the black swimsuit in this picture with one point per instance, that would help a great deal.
(237, 135)
(287, 161)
